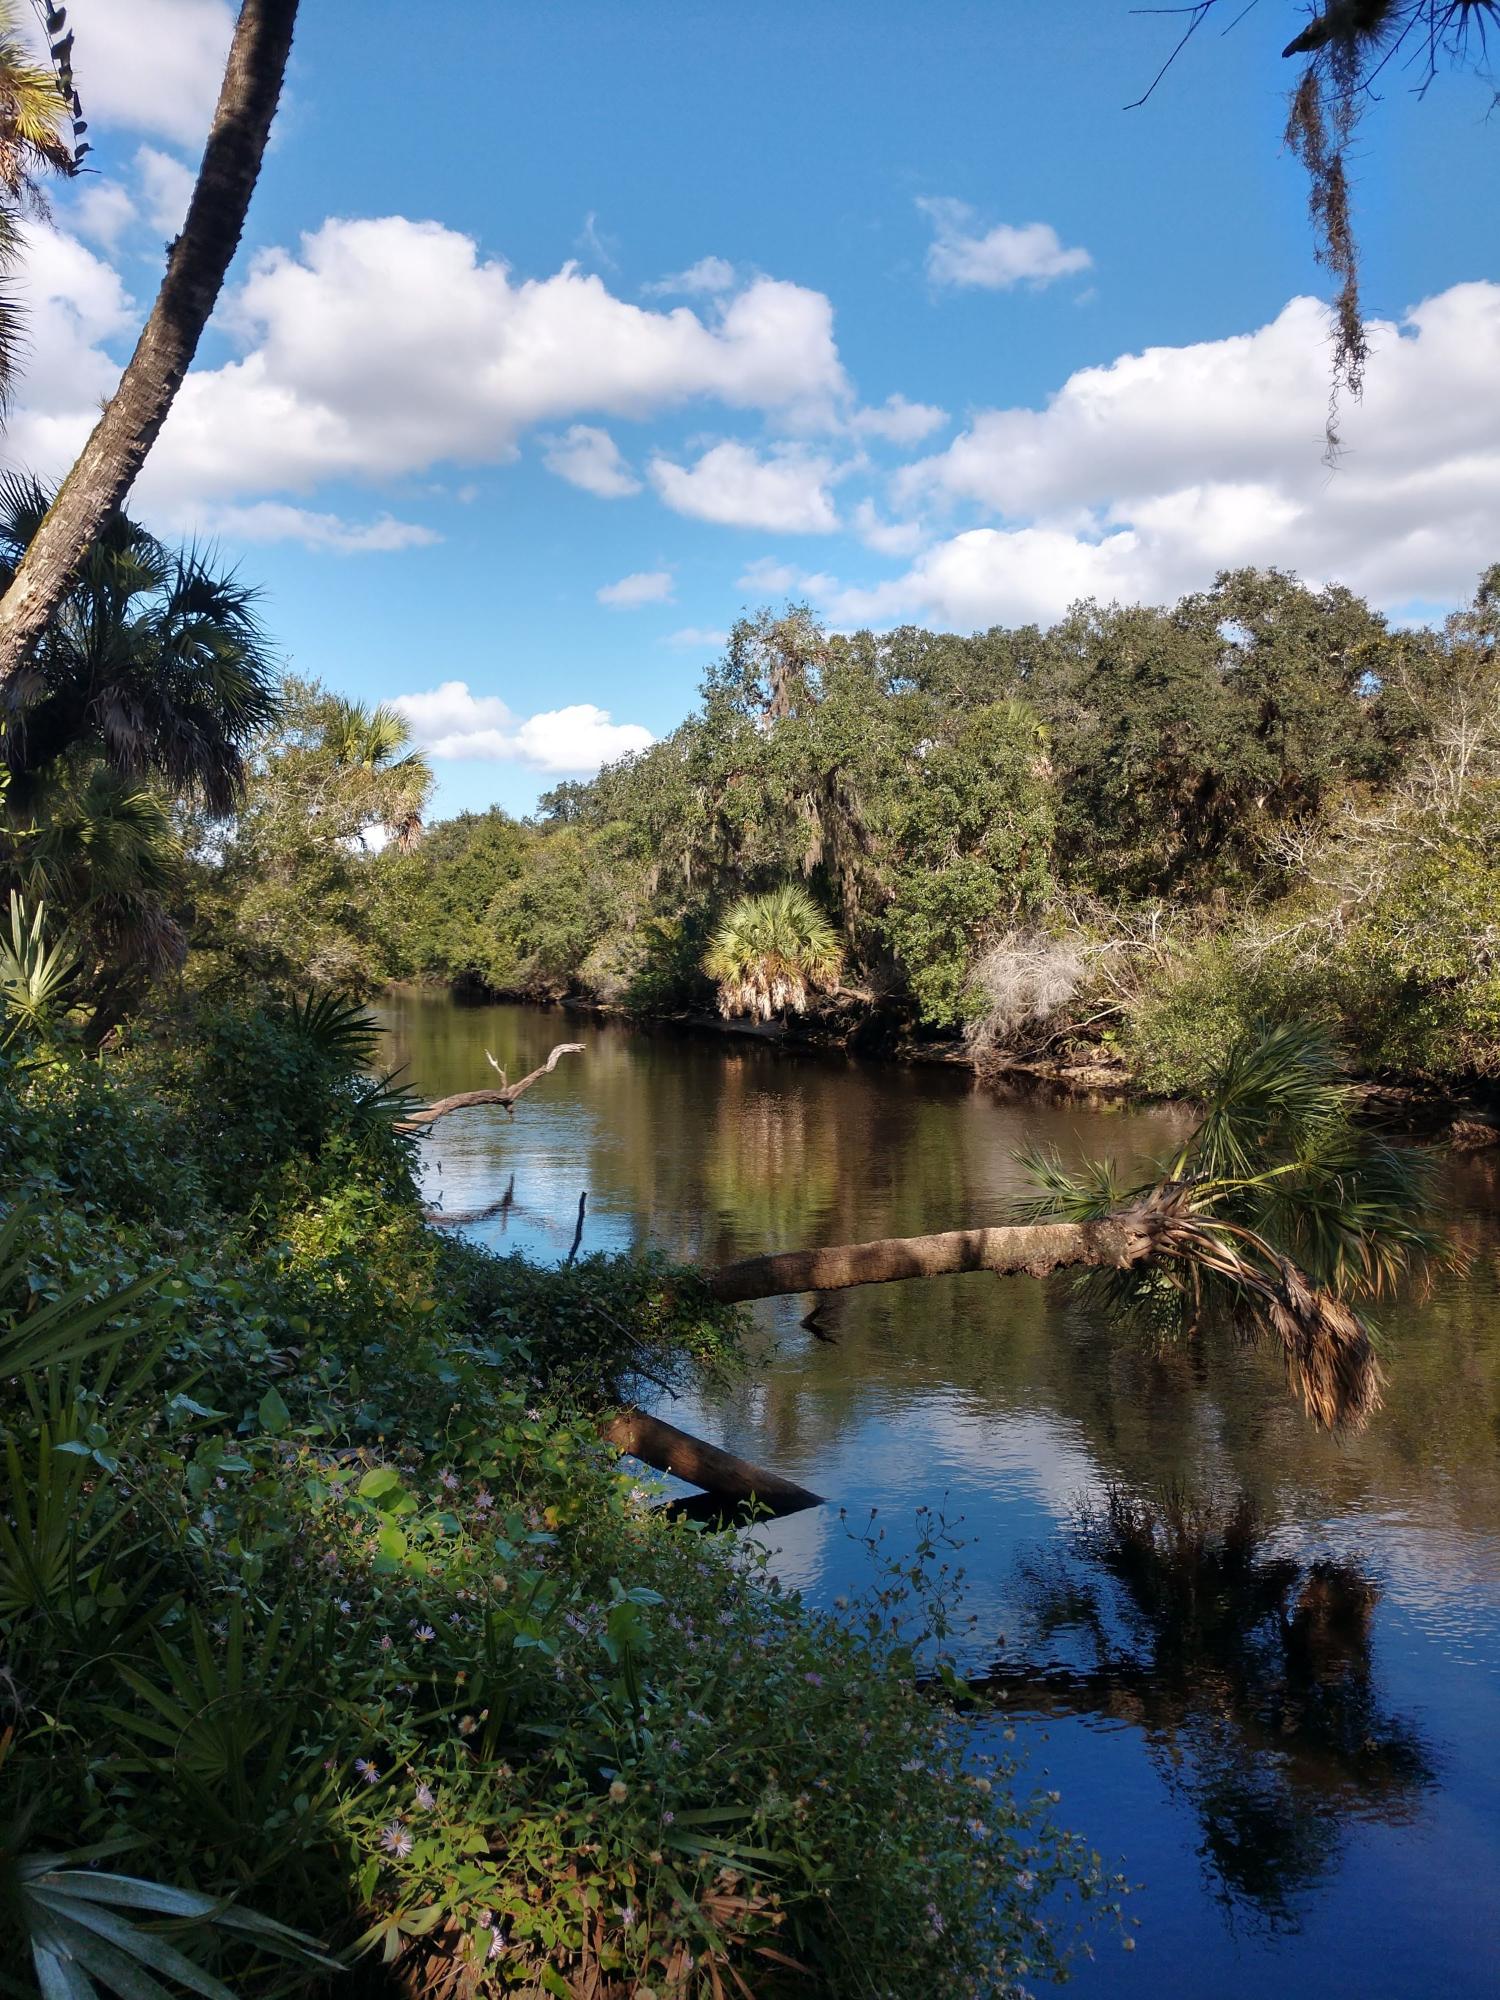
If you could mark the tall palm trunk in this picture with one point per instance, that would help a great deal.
(196, 266)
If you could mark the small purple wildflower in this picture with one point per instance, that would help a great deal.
(369, 1771)
(396, 1840)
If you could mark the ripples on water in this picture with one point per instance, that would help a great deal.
(1297, 1755)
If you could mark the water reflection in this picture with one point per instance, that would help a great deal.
(1334, 1761)
(1249, 1673)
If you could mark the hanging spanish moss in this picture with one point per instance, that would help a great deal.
(1349, 44)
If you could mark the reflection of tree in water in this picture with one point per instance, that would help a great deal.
(1249, 1674)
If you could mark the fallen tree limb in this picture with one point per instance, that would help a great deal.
(728, 1478)
(1020, 1249)
(417, 1121)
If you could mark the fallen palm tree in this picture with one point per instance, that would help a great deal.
(1278, 1213)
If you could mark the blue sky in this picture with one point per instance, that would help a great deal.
(547, 300)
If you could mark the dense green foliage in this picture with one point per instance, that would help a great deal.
(317, 1589)
(1119, 839)
(146, 689)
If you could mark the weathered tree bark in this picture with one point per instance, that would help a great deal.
(196, 266)
(1021, 1249)
(461, 1101)
(730, 1479)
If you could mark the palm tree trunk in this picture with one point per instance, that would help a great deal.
(196, 266)
(1022, 1249)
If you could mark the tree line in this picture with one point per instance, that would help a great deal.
(1119, 836)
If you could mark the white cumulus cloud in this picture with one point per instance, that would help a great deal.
(101, 211)
(784, 490)
(964, 253)
(645, 586)
(385, 346)
(1141, 478)
(166, 188)
(73, 302)
(451, 721)
(898, 421)
(588, 457)
(151, 65)
(709, 274)
(279, 521)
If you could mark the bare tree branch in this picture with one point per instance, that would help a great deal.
(463, 1099)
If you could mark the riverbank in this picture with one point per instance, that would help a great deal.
(1468, 1119)
(1259, 1790)
(414, 1662)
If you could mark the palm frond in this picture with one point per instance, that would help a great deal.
(1278, 1088)
(336, 1027)
(36, 975)
(37, 1333)
(80, 1926)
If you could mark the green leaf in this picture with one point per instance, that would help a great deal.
(383, 1479)
(273, 1412)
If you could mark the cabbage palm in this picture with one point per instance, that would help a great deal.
(103, 848)
(155, 663)
(772, 952)
(378, 741)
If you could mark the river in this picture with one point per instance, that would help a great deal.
(1300, 1764)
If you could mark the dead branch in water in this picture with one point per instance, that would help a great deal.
(583, 1202)
(506, 1096)
(733, 1482)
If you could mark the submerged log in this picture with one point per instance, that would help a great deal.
(732, 1481)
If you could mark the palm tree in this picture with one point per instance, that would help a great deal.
(35, 131)
(378, 741)
(196, 266)
(103, 849)
(772, 952)
(155, 663)
(1280, 1215)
